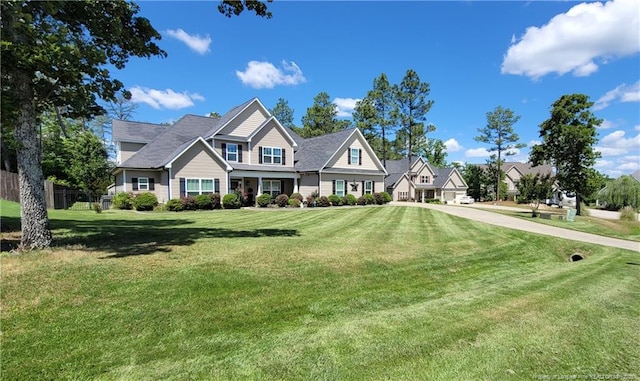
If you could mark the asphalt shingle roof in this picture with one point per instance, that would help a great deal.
(171, 142)
(135, 132)
(314, 153)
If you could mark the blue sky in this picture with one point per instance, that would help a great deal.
(475, 55)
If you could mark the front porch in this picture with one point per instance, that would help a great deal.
(255, 184)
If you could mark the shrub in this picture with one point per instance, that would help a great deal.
(203, 201)
(311, 201)
(379, 198)
(387, 197)
(628, 213)
(122, 201)
(349, 200)
(335, 200)
(215, 201)
(584, 210)
(297, 196)
(97, 208)
(160, 208)
(294, 203)
(323, 202)
(174, 205)
(369, 199)
(362, 200)
(189, 203)
(145, 201)
(282, 200)
(432, 201)
(264, 200)
(231, 201)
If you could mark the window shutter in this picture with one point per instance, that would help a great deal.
(152, 185)
(363, 187)
(239, 153)
(349, 155)
(346, 192)
(216, 185)
(333, 189)
(373, 187)
(183, 187)
(260, 155)
(134, 182)
(284, 157)
(224, 151)
(360, 157)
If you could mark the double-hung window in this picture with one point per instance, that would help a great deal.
(232, 152)
(271, 155)
(355, 156)
(271, 187)
(368, 187)
(340, 184)
(424, 179)
(143, 183)
(199, 186)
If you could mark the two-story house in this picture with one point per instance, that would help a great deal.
(246, 149)
(423, 181)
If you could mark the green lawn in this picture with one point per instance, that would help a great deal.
(366, 293)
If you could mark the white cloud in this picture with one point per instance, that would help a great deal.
(572, 41)
(637, 128)
(477, 152)
(533, 143)
(622, 93)
(606, 124)
(264, 75)
(167, 99)
(197, 43)
(616, 144)
(453, 145)
(345, 106)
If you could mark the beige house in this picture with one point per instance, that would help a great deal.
(423, 181)
(514, 171)
(246, 149)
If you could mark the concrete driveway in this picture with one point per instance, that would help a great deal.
(498, 219)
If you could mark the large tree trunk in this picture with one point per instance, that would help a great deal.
(34, 218)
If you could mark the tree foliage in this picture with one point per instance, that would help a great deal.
(533, 189)
(500, 135)
(321, 118)
(284, 113)
(476, 179)
(436, 153)
(236, 7)
(410, 110)
(568, 137)
(621, 192)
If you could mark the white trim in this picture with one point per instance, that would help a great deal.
(169, 182)
(124, 180)
(249, 103)
(263, 125)
(281, 175)
(208, 147)
(366, 146)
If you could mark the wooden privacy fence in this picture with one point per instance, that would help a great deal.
(56, 196)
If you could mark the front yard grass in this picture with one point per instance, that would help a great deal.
(365, 293)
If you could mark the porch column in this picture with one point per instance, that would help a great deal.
(259, 187)
(295, 185)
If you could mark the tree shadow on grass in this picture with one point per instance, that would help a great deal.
(124, 238)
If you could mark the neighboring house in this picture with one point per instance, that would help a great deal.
(514, 171)
(423, 181)
(636, 175)
(245, 150)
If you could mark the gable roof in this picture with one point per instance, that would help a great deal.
(135, 132)
(397, 168)
(231, 115)
(636, 175)
(278, 125)
(523, 168)
(169, 144)
(314, 153)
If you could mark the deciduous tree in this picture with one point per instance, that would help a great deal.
(533, 189)
(499, 133)
(568, 137)
(475, 177)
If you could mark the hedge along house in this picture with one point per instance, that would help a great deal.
(423, 181)
(245, 150)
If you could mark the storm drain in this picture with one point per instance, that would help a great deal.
(576, 257)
